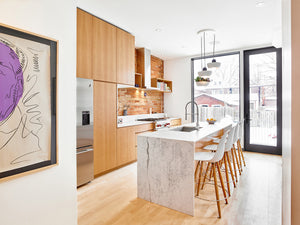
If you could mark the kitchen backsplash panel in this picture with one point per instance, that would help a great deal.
(138, 102)
(157, 67)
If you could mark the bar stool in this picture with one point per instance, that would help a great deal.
(235, 150)
(226, 160)
(214, 158)
(240, 149)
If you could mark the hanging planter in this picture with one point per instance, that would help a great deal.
(201, 81)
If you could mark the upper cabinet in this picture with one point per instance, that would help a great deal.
(84, 44)
(125, 58)
(104, 51)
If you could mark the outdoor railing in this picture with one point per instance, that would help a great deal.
(259, 118)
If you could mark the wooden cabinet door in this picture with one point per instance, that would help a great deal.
(105, 126)
(84, 44)
(175, 122)
(125, 57)
(126, 151)
(104, 51)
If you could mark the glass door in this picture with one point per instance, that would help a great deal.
(263, 100)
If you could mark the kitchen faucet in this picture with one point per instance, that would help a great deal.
(193, 102)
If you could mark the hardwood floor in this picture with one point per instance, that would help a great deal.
(112, 199)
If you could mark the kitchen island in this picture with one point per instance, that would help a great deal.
(166, 164)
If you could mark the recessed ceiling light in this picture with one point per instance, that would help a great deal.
(260, 4)
(158, 30)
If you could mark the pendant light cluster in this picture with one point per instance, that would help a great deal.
(214, 63)
(203, 75)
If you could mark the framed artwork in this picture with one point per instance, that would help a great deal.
(28, 69)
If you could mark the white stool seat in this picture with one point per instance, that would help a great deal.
(211, 147)
(216, 140)
(204, 156)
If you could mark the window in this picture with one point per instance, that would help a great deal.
(203, 105)
(222, 95)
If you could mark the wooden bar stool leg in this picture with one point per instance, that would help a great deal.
(200, 174)
(227, 176)
(234, 165)
(195, 175)
(210, 175)
(240, 158)
(237, 160)
(241, 149)
(216, 189)
(230, 168)
(222, 184)
(205, 175)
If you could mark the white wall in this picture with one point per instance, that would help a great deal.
(286, 113)
(47, 197)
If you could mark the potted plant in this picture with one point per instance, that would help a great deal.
(201, 81)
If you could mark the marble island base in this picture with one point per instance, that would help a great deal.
(165, 165)
(165, 173)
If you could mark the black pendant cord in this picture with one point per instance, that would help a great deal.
(204, 50)
(201, 54)
(214, 46)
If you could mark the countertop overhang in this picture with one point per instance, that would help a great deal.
(193, 136)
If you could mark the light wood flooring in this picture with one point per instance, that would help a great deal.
(112, 199)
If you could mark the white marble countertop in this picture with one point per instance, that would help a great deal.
(193, 136)
(132, 120)
(133, 123)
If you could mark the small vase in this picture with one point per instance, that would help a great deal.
(125, 112)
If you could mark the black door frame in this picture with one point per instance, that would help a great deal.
(262, 148)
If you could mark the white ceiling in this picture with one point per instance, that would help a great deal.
(238, 23)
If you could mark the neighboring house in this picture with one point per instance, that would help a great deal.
(208, 100)
(204, 99)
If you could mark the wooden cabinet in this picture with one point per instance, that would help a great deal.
(144, 127)
(175, 122)
(84, 44)
(125, 58)
(105, 126)
(104, 51)
(127, 142)
(126, 150)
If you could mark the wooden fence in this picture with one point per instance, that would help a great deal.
(259, 118)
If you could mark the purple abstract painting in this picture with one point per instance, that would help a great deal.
(27, 112)
(11, 81)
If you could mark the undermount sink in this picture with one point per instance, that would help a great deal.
(185, 129)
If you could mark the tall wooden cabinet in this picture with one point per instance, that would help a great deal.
(105, 123)
(84, 44)
(106, 54)
(125, 58)
(104, 51)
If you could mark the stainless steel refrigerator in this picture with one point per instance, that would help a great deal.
(85, 134)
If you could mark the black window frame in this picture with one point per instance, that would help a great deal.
(193, 83)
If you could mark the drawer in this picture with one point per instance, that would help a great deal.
(175, 122)
(144, 127)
